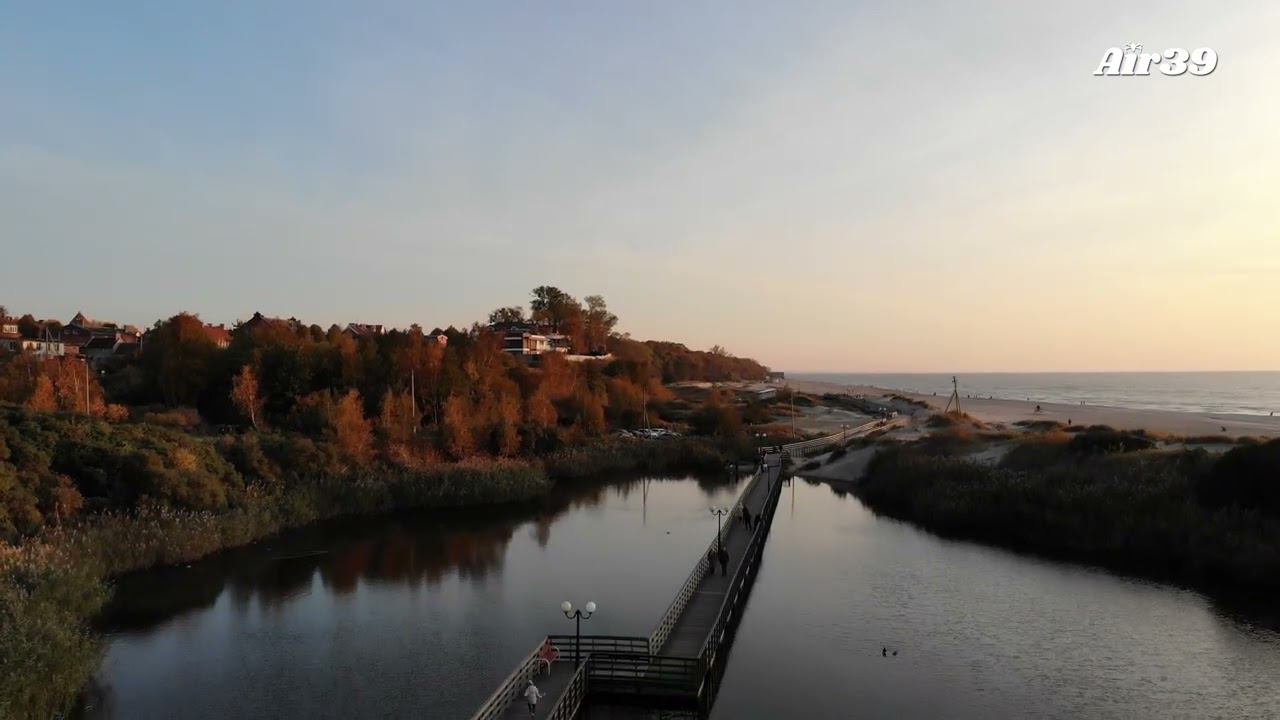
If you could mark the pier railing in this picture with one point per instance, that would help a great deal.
(495, 706)
(632, 667)
(733, 603)
(662, 630)
(806, 448)
(570, 701)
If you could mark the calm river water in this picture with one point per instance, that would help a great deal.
(422, 615)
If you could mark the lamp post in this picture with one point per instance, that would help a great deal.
(577, 616)
(719, 512)
(844, 430)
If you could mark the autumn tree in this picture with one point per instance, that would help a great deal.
(598, 323)
(178, 355)
(43, 396)
(456, 433)
(245, 394)
(397, 417)
(511, 315)
(351, 430)
(554, 307)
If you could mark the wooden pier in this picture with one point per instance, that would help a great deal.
(680, 663)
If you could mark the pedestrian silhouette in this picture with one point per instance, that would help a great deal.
(884, 652)
(723, 557)
(746, 517)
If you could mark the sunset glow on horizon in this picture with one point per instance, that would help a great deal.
(843, 187)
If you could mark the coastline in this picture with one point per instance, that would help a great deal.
(1008, 412)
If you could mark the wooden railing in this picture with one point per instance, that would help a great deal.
(593, 644)
(621, 673)
(734, 600)
(510, 689)
(805, 448)
(570, 700)
(628, 665)
(668, 621)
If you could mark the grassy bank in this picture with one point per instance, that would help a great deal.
(1186, 517)
(53, 583)
(52, 586)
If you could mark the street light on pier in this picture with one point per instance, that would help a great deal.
(719, 512)
(577, 616)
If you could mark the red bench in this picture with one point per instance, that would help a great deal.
(548, 654)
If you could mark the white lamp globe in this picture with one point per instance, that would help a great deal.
(566, 606)
(591, 607)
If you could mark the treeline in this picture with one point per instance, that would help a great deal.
(1185, 516)
(316, 403)
(403, 388)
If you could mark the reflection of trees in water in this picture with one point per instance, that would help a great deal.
(414, 548)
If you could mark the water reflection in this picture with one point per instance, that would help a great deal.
(408, 549)
(418, 614)
(422, 615)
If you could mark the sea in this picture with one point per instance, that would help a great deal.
(1246, 393)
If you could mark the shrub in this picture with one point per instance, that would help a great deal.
(1097, 442)
(1136, 512)
(182, 418)
(1247, 476)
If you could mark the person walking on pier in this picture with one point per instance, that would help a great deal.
(532, 695)
(746, 517)
(723, 557)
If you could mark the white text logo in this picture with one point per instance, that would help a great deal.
(1130, 60)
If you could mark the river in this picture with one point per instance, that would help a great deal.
(421, 615)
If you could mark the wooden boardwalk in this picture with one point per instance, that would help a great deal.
(680, 662)
(552, 685)
(700, 615)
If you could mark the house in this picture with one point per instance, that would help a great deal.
(775, 376)
(259, 320)
(525, 343)
(362, 330)
(10, 337)
(43, 347)
(81, 330)
(219, 335)
(103, 348)
(438, 337)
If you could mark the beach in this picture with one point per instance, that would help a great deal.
(1009, 412)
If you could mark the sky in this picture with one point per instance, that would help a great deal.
(850, 186)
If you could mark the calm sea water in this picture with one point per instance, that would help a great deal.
(1250, 393)
(422, 615)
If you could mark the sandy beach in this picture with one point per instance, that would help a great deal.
(1011, 411)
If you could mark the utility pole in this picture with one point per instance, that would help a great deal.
(413, 400)
(955, 396)
(86, 388)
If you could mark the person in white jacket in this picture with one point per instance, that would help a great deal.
(532, 695)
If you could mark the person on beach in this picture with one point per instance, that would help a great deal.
(723, 557)
(532, 695)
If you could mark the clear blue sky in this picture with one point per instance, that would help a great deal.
(860, 186)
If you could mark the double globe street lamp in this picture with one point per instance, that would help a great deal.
(577, 616)
(719, 512)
